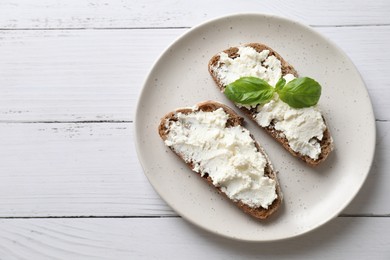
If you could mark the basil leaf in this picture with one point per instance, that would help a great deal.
(249, 91)
(301, 92)
(280, 84)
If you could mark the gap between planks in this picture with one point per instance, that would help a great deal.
(170, 27)
(94, 121)
(173, 216)
(97, 28)
(73, 217)
(65, 121)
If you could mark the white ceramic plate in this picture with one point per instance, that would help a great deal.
(312, 196)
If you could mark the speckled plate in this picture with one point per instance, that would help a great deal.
(312, 196)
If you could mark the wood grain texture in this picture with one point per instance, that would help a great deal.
(78, 75)
(91, 169)
(72, 170)
(151, 13)
(75, 75)
(174, 238)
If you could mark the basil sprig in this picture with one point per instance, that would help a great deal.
(298, 93)
(249, 91)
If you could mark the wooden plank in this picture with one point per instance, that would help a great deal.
(151, 13)
(66, 169)
(75, 75)
(73, 170)
(342, 238)
(97, 74)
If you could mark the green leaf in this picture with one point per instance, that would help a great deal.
(301, 92)
(249, 91)
(280, 84)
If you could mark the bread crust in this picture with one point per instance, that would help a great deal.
(326, 143)
(234, 120)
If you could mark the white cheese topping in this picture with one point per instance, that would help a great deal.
(227, 154)
(249, 63)
(302, 127)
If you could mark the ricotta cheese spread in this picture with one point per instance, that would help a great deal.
(249, 63)
(303, 127)
(228, 155)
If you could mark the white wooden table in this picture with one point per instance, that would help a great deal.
(71, 186)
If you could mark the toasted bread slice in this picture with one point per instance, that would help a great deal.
(326, 143)
(233, 120)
